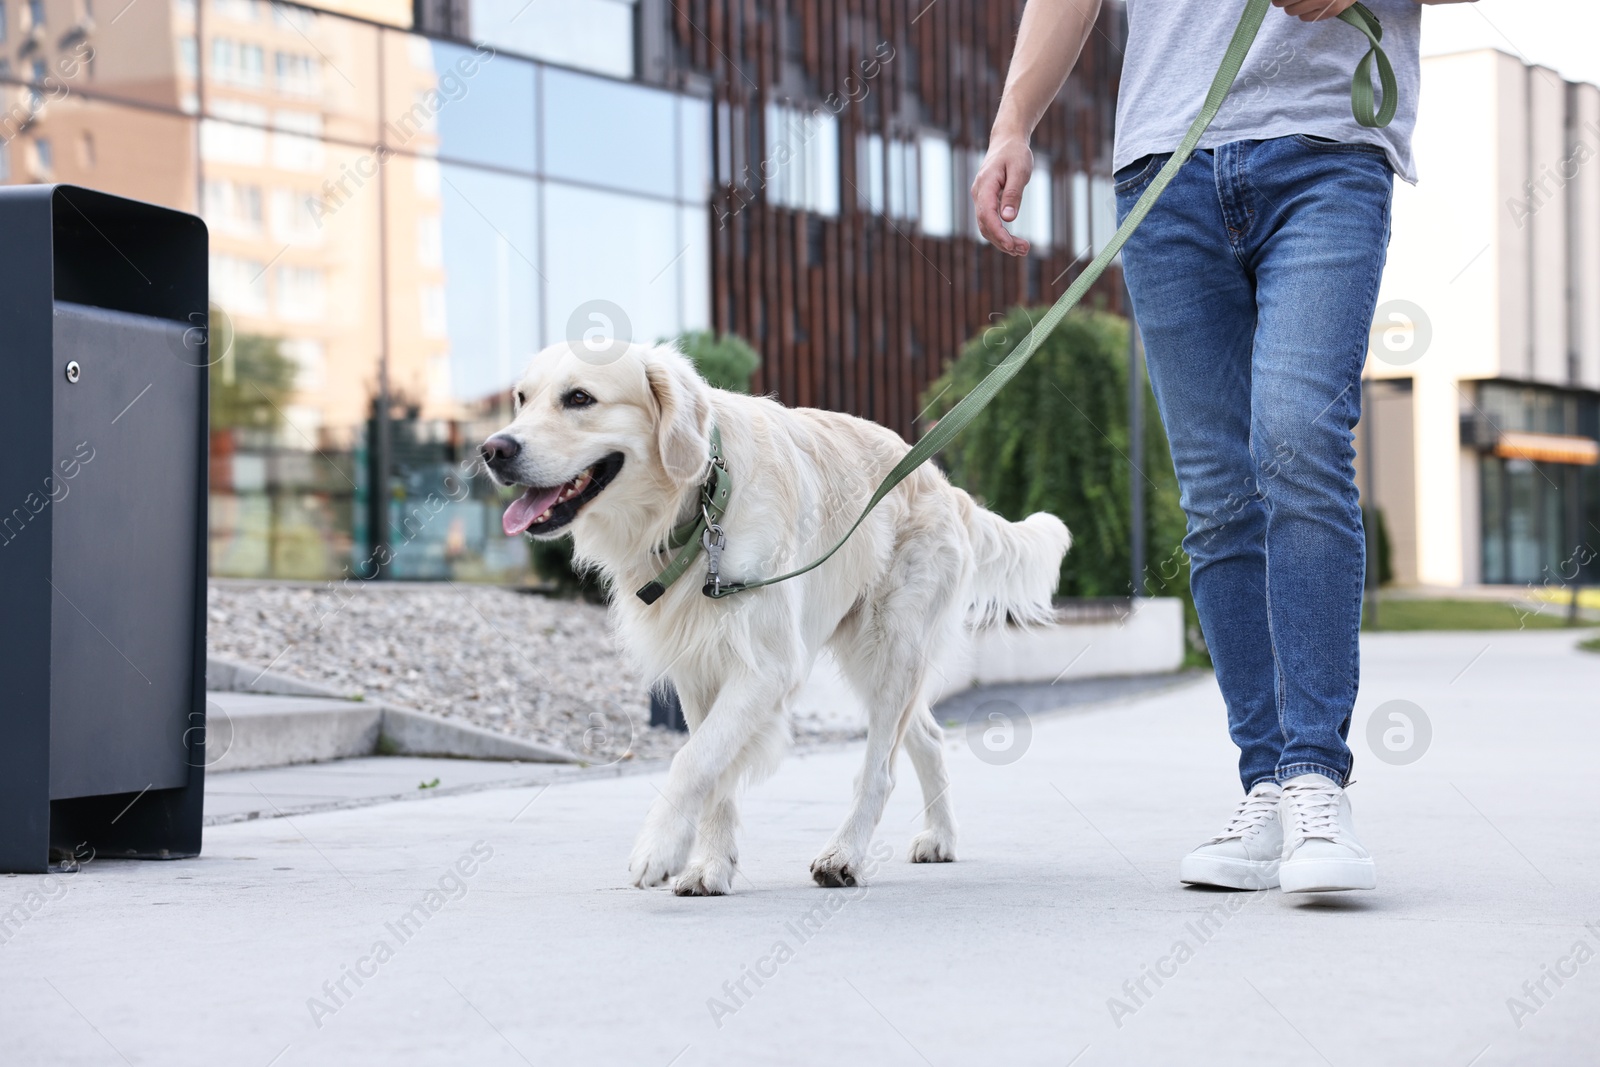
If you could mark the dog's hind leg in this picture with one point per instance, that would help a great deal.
(884, 653)
(924, 741)
(840, 863)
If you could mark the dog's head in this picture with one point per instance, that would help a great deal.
(589, 435)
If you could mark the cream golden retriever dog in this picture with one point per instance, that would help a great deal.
(614, 448)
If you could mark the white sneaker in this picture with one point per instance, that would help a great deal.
(1247, 852)
(1320, 850)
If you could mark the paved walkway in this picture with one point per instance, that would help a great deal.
(496, 927)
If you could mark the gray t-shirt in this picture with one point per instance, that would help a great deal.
(1296, 78)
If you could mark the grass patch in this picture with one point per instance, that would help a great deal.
(1463, 615)
(1591, 645)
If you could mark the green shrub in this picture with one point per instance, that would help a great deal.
(1056, 439)
(552, 566)
(1379, 543)
(727, 362)
(251, 379)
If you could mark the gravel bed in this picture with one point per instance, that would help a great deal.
(542, 669)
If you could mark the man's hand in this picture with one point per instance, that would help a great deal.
(997, 192)
(1049, 39)
(1313, 10)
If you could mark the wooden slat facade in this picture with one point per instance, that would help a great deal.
(859, 312)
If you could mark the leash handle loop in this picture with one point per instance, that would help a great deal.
(1367, 113)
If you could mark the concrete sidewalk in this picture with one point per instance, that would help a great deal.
(497, 927)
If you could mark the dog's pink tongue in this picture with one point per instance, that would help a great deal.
(527, 507)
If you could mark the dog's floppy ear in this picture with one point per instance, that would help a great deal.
(683, 413)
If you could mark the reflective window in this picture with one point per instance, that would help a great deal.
(965, 164)
(1036, 215)
(85, 141)
(238, 10)
(488, 256)
(938, 186)
(390, 12)
(298, 73)
(460, 103)
(285, 59)
(801, 166)
(306, 319)
(243, 141)
(292, 394)
(463, 249)
(901, 180)
(694, 150)
(1082, 243)
(694, 268)
(870, 173)
(592, 35)
(643, 282)
(231, 207)
(236, 62)
(1102, 211)
(297, 141)
(302, 293)
(608, 133)
(239, 283)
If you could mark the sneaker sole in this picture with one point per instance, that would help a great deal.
(1227, 873)
(1327, 876)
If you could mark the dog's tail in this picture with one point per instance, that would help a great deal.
(1018, 566)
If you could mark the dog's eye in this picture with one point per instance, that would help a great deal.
(519, 398)
(576, 398)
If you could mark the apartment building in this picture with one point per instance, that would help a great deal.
(1484, 373)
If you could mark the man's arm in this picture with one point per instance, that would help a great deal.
(1048, 42)
(1049, 39)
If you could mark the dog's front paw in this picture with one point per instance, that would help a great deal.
(647, 872)
(705, 878)
(933, 846)
(836, 868)
(655, 861)
(662, 847)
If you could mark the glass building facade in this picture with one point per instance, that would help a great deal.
(397, 223)
(400, 219)
(1540, 507)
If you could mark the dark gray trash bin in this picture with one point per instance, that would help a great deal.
(103, 453)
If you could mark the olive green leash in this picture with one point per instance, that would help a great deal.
(704, 532)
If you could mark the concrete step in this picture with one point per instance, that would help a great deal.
(257, 719)
(249, 730)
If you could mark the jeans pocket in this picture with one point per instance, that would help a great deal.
(1327, 144)
(1137, 173)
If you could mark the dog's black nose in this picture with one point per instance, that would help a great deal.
(500, 449)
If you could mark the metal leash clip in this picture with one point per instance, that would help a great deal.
(713, 541)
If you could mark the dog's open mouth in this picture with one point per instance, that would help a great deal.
(541, 510)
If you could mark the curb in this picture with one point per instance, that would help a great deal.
(559, 776)
(328, 724)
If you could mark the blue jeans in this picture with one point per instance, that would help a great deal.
(1254, 281)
